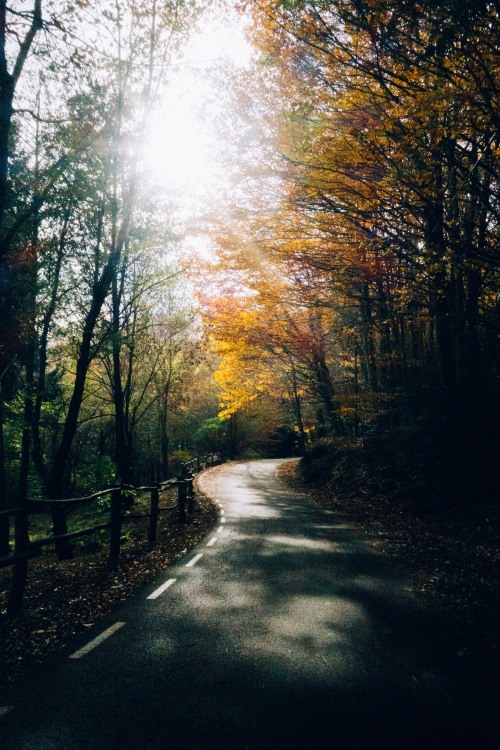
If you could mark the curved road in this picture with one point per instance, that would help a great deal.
(281, 630)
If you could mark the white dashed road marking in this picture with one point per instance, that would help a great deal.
(107, 633)
(97, 641)
(162, 588)
(220, 530)
(193, 561)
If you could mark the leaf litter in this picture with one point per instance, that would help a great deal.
(65, 597)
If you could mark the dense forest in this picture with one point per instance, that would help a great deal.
(351, 295)
(363, 237)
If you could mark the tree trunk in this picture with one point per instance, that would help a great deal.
(121, 443)
(57, 478)
(300, 423)
(233, 436)
(37, 451)
(367, 346)
(325, 390)
(8, 82)
(164, 442)
(4, 502)
(22, 524)
(6, 97)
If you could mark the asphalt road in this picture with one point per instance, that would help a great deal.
(280, 630)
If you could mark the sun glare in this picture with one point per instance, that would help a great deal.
(183, 137)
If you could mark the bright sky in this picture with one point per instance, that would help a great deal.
(184, 140)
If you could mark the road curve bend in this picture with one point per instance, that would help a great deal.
(280, 630)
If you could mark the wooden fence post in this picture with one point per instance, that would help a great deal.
(190, 494)
(116, 524)
(181, 487)
(153, 517)
(20, 572)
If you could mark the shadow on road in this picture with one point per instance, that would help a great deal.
(293, 634)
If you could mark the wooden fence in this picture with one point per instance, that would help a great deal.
(120, 513)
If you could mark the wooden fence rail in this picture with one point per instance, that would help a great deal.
(119, 514)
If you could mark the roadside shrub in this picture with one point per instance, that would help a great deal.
(176, 459)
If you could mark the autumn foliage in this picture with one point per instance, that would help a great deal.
(370, 251)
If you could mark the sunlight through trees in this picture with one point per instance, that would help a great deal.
(246, 243)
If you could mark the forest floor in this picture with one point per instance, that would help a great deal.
(450, 558)
(64, 598)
